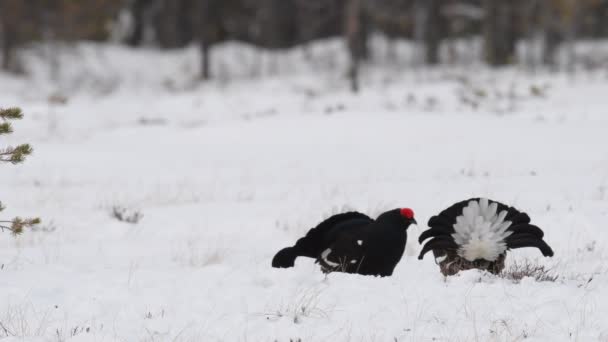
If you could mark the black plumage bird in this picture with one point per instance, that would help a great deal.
(477, 233)
(353, 243)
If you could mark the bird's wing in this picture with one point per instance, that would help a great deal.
(344, 254)
(325, 233)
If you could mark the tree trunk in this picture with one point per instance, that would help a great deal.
(9, 40)
(207, 29)
(205, 61)
(572, 31)
(552, 38)
(278, 23)
(427, 27)
(167, 24)
(499, 35)
(356, 38)
(137, 12)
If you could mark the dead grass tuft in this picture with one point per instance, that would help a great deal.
(520, 270)
(126, 215)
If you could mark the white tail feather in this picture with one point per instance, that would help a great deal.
(324, 256)
(480, 232)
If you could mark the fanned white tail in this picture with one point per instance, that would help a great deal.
(480, 232)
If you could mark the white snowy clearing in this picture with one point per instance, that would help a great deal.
(227, 173)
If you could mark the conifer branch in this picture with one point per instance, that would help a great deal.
(5, 116)
(17, 225)
(14, 155)
(11, 114)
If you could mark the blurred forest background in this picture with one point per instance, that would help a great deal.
(546, 26)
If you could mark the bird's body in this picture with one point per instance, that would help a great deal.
(353, 243)
(477, 233)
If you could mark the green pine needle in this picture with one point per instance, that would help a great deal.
(6, 128)
(18, 224)
(11, 114)
(14, 155)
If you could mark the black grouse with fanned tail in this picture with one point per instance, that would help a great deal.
(353, 243)
(477, 233)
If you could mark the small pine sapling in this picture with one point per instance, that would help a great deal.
(14, 155)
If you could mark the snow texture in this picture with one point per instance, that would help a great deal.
(226, 173)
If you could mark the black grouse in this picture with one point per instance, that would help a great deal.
(353, 243)
(477, 233)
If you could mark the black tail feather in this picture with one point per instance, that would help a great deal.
(518, 218)
(526, 229)
(529, 240)
(441, 220)
(434, 232)
(439, 242)
(285, 258)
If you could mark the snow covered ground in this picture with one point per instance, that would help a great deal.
(229, 172)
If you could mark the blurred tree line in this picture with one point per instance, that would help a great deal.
(278, 24)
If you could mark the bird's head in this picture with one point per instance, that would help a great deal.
(399, 216)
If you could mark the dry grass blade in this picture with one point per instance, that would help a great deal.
(123, 214)
(520, 270)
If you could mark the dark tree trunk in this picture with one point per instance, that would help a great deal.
(356, 32)
(499, 35)
(429, 28)
(205, 61)
(552, 40)
(552, 37)
(433, 37)
(278, 23)
(207, 27)
(8, 37)
(319, 18)
(138, 9)
(602, 19)
(167, 24)
(6, 48)
(186, 26)
(172, 24)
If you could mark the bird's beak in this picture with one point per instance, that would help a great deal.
(414, 221)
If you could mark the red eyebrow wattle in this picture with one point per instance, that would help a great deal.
(407, 212)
